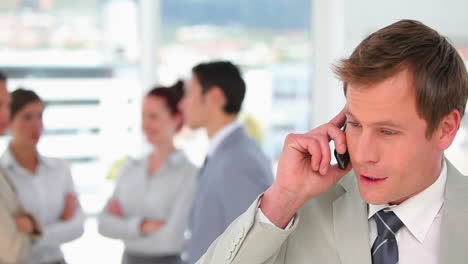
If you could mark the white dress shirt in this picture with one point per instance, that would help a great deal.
(221, 135)
(42, 194)
(418, 239)
(166, 195)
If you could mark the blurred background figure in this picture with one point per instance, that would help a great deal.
(17, 229)
(236, 170)
(44, 185)
(151, 201)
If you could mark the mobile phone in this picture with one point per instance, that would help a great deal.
(342, 159)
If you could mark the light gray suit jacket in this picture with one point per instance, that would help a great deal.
(14, 245)
(332, 229)
(236, 173)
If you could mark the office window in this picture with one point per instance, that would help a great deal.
(83, 60)
(269, 40)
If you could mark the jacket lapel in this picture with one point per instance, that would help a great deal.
(351, 225)
(454, 234)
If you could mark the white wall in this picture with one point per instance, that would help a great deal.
(340, 25)
(449, 17)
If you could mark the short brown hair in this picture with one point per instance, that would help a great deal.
(439, 74)
(20, 98)
(227, 77)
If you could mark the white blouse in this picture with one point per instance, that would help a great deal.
(43, 195)
(167, 195)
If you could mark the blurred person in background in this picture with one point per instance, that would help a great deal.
(236, 170)
(44, 185)
(151, 201)
(17, 228)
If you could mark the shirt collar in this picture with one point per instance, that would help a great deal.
(418, 212)
(9, 161)
(221, 135)
(174, 159)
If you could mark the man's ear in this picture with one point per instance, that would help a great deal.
(179, 119)
(216, 97)
(448, 129)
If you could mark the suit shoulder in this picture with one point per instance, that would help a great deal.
(325, 201)
(245, 150)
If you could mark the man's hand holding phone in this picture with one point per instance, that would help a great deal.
(304, 170)
(342, 159)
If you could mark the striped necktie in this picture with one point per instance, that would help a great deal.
(385, 248)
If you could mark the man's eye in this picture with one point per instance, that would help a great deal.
(354, 124)
(387, 132)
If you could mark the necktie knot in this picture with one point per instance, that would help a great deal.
(388, 223)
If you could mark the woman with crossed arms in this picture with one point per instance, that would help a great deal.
(151, 201)
(18, 229)
(44, 185)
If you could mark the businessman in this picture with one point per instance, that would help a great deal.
(399, 200)
(236, 170)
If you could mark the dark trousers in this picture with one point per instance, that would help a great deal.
(130, 258)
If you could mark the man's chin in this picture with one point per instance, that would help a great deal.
(373, 196)
(375, 201)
